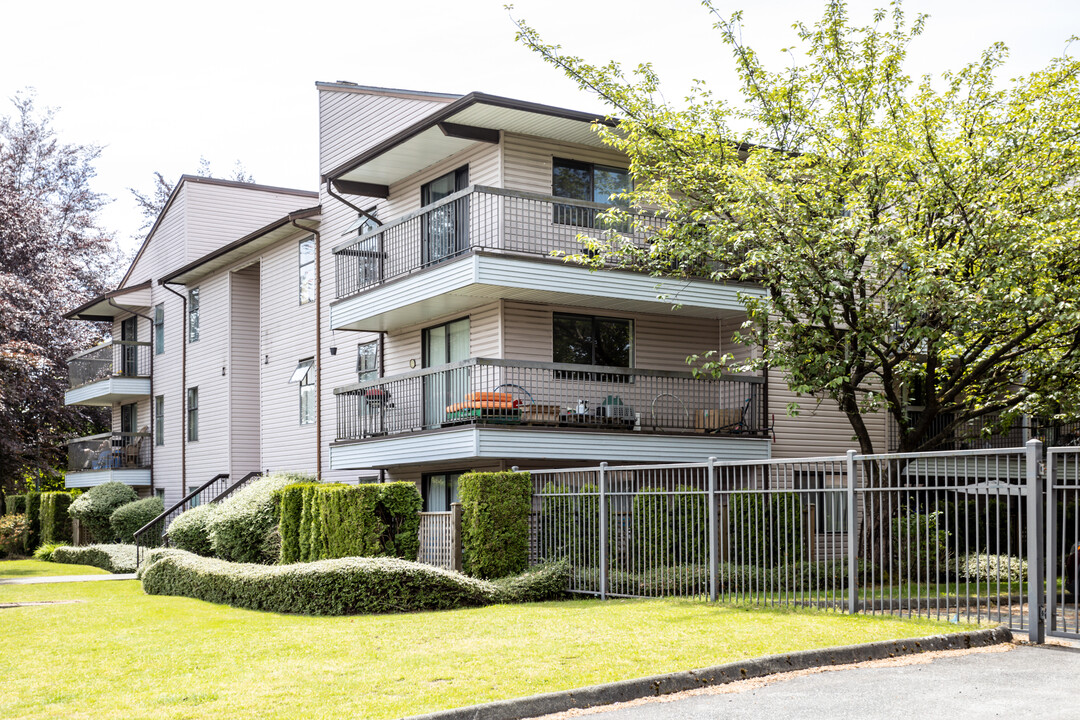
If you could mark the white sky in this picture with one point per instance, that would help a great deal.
(162, 84)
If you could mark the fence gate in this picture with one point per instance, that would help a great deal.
(1062, 541)
(962, 536)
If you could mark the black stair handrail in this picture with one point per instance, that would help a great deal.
(138, 536)
(236, 486)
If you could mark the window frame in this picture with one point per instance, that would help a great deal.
(193, 414)
(451, 484)
(159, 329)
(581, 216)
(375, 371)
(306, 266)
(193, 313)
(307, 393)
(594, 318)
(159, 420)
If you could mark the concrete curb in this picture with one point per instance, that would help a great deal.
(536, 705)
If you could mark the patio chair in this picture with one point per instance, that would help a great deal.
(131, 450)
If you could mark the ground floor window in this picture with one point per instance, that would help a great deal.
(439, 490)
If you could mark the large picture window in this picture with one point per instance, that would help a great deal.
(307, 270)
(588, 182)
(591, 340)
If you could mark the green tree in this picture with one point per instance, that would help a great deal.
(916, 239)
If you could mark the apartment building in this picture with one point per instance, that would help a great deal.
(416, 318)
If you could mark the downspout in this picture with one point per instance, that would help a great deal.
(152, 428)
(318, 346)
(183, 389)
(365, 213)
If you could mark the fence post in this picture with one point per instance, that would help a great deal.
(1036, 592)
(603, 560)
(1050, 574)
(455, 537)
(852, 540)
(714, 562)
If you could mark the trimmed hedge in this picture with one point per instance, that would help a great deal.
(55, 521)
(325, 521)
(32, 537)
(127, 519)
(15, 505)
(114, 558)
(342, 586)
(95, 507)
(191, 530)
(495, 509)
(244, 528)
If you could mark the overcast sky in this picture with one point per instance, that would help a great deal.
(160, 85)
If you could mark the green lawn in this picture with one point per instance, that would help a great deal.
(124, 654)
(39, 568)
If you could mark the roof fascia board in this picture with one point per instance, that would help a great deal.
(72, 314)
(352, 187)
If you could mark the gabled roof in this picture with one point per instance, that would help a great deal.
(107, 306)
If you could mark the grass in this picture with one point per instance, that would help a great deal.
(124, 654)
(40, 568)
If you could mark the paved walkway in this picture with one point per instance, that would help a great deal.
(1023, 682)
(65, 578)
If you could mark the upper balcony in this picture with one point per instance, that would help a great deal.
(488, 408)
(483, 244)
(118, 371)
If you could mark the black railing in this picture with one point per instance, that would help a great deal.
(988, 432)
(153, 533)
(119, 358)
(109, 451)
(476, 218)
(482, 391)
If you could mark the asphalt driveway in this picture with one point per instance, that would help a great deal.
(1022, 682)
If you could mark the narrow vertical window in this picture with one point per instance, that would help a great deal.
(367, 361)
(305, 375)
(193, 315)
(193, 414)
(159, 329)
(307, 270)
(159, 420)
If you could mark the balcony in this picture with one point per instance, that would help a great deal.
(114, 456)
(118, 371)
(483, 244)
(510, 409)
(986, 432)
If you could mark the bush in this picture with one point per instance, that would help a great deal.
(12, 530)
(325, 521)
(766, 529)
(981, 567)
(32, 536)
(94, 508)
(669, 528)
(495, 510)
(241, 529)
(46, 550)
(547, 581)
(920, 548)
(15, 505)
(114, 558)
(570, 523)
(344, 586)
(191, 530)
(55, 520)
(127, 519)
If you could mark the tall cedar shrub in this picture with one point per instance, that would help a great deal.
(766, 530)
(495, 511)
(95, 507)
(55, 521)
(290, 500)
(15, 505)
(127, 519)
(399, 508)
(32, 538)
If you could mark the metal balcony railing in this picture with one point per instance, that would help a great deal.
(508, 393)
(118, 358)
(986, 432)
(476, 218)
(109, 451)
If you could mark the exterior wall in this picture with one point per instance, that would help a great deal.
(820, 429)
(219, 214)
(527, 160)
(245, 416)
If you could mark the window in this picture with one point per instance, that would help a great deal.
(439, 491)
(193, 414)
(307, 270)
(589, 340)
(159, 420)
(588, 182)
(193, 315)
(445, 230)
(128, 420)
(367, 361)
(159, 329)
(305, 375)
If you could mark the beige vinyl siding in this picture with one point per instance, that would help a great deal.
(167, 382)
(820, 429)
(165, 250)
(243, 372)
(286, 336)
(207, 369)
(527, 160)
(219, 214)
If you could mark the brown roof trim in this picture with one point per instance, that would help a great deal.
(445, 113)
(237, 244)
(184, 179)
(349, 87)
(71, 314)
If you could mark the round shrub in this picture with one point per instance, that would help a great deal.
(241, 530)
(94, 508)
(127, 519)
(191, 530)
(980, 567)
